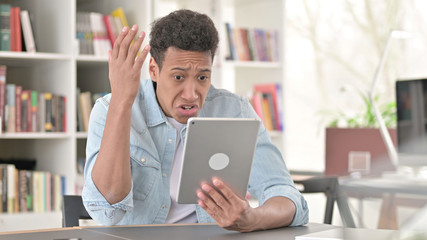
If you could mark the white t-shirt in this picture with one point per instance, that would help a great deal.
(179, 213)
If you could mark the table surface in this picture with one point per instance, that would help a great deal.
(166, 231)
(391, 185)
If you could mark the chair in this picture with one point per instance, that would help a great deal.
(329, 186)
(73, 210)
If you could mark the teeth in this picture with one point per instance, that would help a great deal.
(187, 107)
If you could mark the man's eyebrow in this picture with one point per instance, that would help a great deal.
(205, 70)
(186, 69)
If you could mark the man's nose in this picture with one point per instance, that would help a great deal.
(190, 91)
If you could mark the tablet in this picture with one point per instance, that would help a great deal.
(217, 147)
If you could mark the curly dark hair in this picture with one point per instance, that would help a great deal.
(183, 29)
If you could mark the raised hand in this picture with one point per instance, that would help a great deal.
(125, 65)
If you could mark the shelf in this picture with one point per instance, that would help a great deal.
(276, 134)
(37, 135)
(81, 135)
(91, 59)
(24, 58)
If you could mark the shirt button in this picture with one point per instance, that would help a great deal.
(170, 140)
(164, 174)
(143, 160)
(164, 206)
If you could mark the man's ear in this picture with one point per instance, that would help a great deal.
(153, 69)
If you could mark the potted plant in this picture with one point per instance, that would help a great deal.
(354, 143)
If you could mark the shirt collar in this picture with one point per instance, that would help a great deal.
(153, 112)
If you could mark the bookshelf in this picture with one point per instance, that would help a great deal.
(57, 67)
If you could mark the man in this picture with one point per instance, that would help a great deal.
(135, 138)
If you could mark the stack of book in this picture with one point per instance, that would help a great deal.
(16, 29)
(96, 32)
(252, 44)
(29, 191)
(267, 102)
(24, 110)
(85, 102)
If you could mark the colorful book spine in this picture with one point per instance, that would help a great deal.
(120, 14)
(26, 111)
(2, 97)
(34, 100)
(274, 89)
(4, 27)
(27, 30)
(15, 29)
(48, 126)
(18, 106)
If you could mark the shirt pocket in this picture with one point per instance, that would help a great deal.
(145, 172)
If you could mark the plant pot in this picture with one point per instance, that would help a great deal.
(354, 146)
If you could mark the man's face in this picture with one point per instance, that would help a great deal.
(183, 82)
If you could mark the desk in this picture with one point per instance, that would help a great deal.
(169, 231)
(388, 189)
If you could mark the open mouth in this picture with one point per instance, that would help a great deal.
(188, 110)
(187, 107)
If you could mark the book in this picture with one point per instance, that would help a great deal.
(230, 39)
(10, 107)
(63, 111)
(41, 113)
(26, 111)
(79, 126)
(49, 120)
(111, 28)
(101, 43)
(11, 171)
(267, 114)
(272, 110)
(4, 27)
(274, 89)
(18, 106)
(15, 29)
(2, 97)
(84, 33)
(257, 104)
(120, 14)
(27, 30)
(3, 185)
(86, 106)
(29, 181)
(245, 45)
(33, 110)
(23, 190)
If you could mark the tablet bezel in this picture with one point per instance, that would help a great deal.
(236, 137)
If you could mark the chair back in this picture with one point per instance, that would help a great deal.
(73, 210)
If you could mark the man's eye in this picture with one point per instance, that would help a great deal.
(177, 77)
(203, 78)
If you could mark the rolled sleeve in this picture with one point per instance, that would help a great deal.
(100, 210)
(301, 207)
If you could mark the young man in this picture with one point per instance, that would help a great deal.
(135, 140)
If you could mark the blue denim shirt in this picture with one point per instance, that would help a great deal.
(152, 147)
